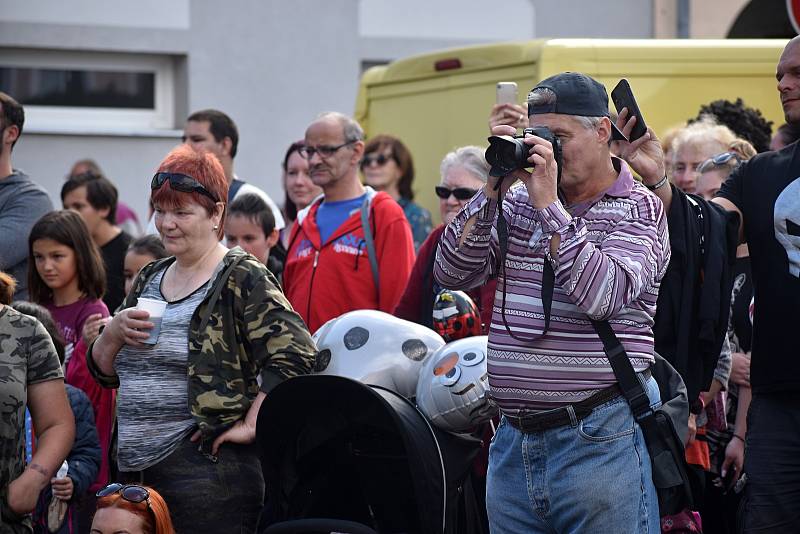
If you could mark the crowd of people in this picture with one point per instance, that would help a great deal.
(135, 353)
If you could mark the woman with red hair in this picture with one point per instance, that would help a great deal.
(133, 509)
(190, 388)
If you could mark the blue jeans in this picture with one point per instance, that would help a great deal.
(591, 476)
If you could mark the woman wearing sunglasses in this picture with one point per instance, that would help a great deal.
(131, 509)
(464, 171)
(188, 401)
(387, 166)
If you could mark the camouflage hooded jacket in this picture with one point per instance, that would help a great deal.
(244, 327)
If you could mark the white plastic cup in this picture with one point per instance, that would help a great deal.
(156, 310)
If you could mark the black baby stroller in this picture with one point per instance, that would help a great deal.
(337, 449)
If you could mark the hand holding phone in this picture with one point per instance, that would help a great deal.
(507, 111)
(622, 96)
(507, 93)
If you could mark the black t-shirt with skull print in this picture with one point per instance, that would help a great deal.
(767, 191)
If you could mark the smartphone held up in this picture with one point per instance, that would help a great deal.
(507, 93)
(622, 96)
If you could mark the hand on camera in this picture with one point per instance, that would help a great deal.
(541, 183)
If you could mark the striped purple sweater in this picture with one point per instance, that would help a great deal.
(613, 253)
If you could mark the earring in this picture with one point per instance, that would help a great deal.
(216, 227)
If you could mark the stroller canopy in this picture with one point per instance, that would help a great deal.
(333, 447)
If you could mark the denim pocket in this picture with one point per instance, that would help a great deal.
(607, 423)
(500, 425)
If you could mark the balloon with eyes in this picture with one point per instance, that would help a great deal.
(375, 348)
(455, 315)
(453, 388)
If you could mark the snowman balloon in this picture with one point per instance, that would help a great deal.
(453, 387)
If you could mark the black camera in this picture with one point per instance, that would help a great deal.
(507, 154)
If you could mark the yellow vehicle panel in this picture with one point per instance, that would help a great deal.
(433, 112)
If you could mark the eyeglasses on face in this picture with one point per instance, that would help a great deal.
(180, 182)
(378, 159)
(324, 151)
(461, 193)
(130, 492)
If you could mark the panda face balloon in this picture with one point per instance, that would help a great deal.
(453, 388)
(376, 348)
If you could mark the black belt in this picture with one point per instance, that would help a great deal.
(537, 422)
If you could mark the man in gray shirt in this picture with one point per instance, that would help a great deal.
(22, 202)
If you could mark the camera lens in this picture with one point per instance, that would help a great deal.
(505, 154)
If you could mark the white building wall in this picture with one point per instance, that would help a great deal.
(272, 65)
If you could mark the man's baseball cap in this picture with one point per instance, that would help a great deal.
(576, 94)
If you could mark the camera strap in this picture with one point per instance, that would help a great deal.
(548, 280)
(617, 357)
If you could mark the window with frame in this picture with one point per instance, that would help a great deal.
(84, 92)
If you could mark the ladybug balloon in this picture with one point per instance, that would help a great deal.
(455, 315)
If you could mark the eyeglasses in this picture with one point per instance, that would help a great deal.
(324, 151)
(180, 182)
(719, 160)
(129, 492)
(380, 159)
(461, 193)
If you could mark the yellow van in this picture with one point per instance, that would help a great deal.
(438, 101)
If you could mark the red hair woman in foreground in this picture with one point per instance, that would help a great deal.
(134, 509)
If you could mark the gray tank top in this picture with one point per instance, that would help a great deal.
(153, 414)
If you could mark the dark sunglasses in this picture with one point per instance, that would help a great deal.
(380, 159)
(180, 182)
(461, 193)
(130, 492)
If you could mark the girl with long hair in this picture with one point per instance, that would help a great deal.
(66, 275)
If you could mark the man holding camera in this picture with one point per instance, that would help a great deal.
(568, 455)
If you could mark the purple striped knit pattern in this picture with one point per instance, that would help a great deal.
(613, 253)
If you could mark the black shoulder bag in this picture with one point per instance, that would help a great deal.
(660, 427)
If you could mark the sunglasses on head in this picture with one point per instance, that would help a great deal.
(461, 193)
(719, 160)
(130, 492)
(380, 159)
(725, 157)
(180, 182)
